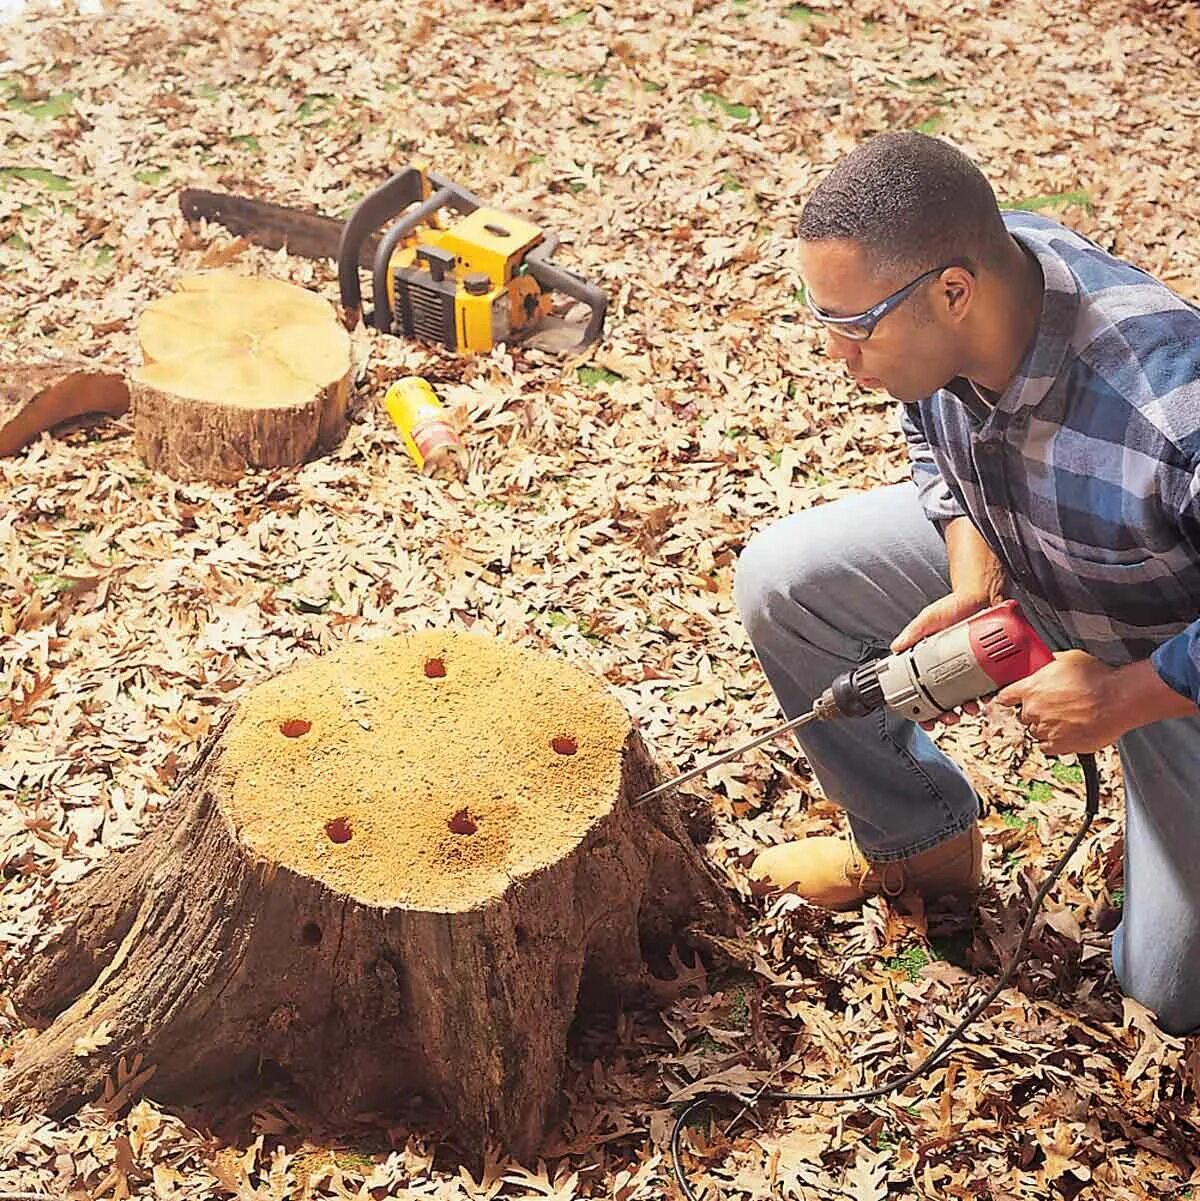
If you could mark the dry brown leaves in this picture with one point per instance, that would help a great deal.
(671, 146)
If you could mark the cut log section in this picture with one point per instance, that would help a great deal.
(397, 871)
(239, 372)
(39, 396)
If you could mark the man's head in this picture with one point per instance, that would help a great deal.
(900, 206)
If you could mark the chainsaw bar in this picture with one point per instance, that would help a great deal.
(273, 226)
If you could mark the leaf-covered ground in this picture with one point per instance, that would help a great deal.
(671, 146)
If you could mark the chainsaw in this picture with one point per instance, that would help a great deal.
(467, 283)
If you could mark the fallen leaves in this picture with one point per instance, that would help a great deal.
(602, 520)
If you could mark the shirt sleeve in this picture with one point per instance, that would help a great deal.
(938, 501)
(1177, 660)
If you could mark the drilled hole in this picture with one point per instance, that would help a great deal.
(497, 231)
(338, 830)
(564, 744)
(294, 727)
(462, 823)
(435, 669)
(310, 934)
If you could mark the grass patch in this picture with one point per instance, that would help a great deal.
(151, 177)
(575, 19)
(648, 85)
(38, 175)
(1077, 196)
(312, 102)
(248, 140)
(590, 377)
(799, 12)
(1118, 898)
(930, 124)
(739, 112)
(1067, 773)
(1039, 791)
(910, 962)
(597, 84)
(49, 109)
(1016, 821)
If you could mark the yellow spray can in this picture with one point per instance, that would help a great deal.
(419, 416)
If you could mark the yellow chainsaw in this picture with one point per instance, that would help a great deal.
(466, 281)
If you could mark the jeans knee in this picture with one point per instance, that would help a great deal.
(770, 573)
(1165, 990)
(793, 565)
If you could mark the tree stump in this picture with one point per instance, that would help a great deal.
(239, 372)
(397, 870)
(38, 396)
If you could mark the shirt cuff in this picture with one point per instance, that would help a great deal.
(1177, 662)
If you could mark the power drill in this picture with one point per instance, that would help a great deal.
(939, 674)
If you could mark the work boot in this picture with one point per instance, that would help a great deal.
(835, 874)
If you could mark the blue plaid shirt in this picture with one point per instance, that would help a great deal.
(1084, 477)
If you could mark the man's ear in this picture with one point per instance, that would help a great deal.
(957, 286)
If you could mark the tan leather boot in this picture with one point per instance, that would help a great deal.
(834, 873)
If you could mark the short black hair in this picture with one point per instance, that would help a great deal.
(911, 202)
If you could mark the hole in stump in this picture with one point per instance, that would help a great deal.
(462, 823)
(564, 744)
(310, 934)
(294, 727)
(522, 936)
(435, 669)
(338, 830)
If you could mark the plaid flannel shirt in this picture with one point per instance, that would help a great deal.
(1084, 477)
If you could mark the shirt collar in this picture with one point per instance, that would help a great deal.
(1060, 305)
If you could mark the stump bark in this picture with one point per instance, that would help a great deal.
(396, 871)
(43, 395)
(239, 372)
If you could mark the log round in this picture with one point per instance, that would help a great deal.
(239, 372)
(396, 872)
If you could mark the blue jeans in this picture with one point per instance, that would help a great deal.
(820, 591)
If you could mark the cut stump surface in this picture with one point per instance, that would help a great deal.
(239, 372)
(397, 871)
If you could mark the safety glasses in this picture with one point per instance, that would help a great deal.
(858, 327)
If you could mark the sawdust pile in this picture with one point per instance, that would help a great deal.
(430, 771)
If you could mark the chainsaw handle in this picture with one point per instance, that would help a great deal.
(406, 188)
(553, 278)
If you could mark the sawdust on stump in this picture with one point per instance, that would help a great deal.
(399, 870)
(239, 372)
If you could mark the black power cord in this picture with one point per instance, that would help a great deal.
(1091, 808)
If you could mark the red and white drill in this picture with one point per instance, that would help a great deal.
(941, 673)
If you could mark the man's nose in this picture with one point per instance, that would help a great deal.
(837, 347)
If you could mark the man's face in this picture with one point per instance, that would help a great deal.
(914, 349)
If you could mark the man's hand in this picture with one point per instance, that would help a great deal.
(1078, 704)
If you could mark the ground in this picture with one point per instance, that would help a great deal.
(671, 146)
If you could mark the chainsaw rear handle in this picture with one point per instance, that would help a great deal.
(558, 279)
(409, 187)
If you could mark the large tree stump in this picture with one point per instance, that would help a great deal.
(239, 372)
(397, 870)
(49, 393)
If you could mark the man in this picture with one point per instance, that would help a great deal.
(1051, 402)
